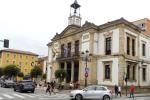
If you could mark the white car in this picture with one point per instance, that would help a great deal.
(92, 92)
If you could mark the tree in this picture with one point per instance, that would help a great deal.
(35, 72)
(44, 76)
(26, 77)
(1, 72)
(11, 71)
(60, 74)
(20, 74)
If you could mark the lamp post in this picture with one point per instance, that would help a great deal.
(86, 53)
(126, 80)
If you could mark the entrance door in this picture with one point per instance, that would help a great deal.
(68, 78)
(76, 71)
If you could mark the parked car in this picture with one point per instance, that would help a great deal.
(7, 83)
(92, 92)
(1, 81)
(24, 85)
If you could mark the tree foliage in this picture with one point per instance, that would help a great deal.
(60, 74)
(36, 71)
(44, 76)
(20, 74)
(11, 70)
(1, 72)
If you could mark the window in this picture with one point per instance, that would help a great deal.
(77, 47)
(7, 55)
(100, 88)
(69, 49)
(108, 46)
(144, 74)
(128, 45)
(134, 72)
(143, 49)
(107, 71)
(133, 47)
(20, 56)
(7, 61)
(20, 63)
(14, 62)
(14, 56)
(62, 50)
(26, 63)
(128, 71)
(91, 88)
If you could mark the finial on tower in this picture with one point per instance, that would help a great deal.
(74, 18)
(75, 5)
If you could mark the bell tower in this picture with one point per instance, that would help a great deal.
(74, 18)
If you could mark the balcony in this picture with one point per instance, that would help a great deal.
(69, 56)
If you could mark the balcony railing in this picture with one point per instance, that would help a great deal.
(73, 55)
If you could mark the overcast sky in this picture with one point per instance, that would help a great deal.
(31, 24)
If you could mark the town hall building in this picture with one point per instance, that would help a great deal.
(101, 54)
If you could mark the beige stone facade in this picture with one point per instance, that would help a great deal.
(118, 59)
(116, 50)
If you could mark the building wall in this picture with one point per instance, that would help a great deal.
(23, 61)
(114, 73)
(94, 41)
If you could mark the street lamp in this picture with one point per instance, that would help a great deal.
(86, 54)
(126, 80)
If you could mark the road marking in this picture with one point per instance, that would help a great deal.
(28, 95)
(17, 95)
(8, 96)
(1, 98)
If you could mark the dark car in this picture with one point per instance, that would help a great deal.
(24, 85)
(7, 83)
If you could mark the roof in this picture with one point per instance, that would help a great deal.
(88, 25)
(19, 51)
(119, 21)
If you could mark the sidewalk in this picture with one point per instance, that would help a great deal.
(43, 89)
(135, 95)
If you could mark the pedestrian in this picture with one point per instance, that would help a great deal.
(119, 90)
(71, 85)
(116, 90)
(48, 88)
(53, 87)
(132, 90)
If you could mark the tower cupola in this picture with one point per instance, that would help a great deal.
(74, 18)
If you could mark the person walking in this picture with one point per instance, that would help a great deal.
(48, 88)
(71, 85)
(119, 90)
(53, 87)
(116, 90)
(132, 90)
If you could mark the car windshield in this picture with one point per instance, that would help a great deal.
(100, 88)
(90, 88)
(9, 81)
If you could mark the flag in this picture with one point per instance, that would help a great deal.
(53, 53)
(65, 51)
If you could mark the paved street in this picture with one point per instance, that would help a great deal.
(9, 94)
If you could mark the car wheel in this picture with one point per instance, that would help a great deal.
(14, 89)
(78, 97)
(5, 86)
(32, 91)
(106, 97)
(20, 90)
